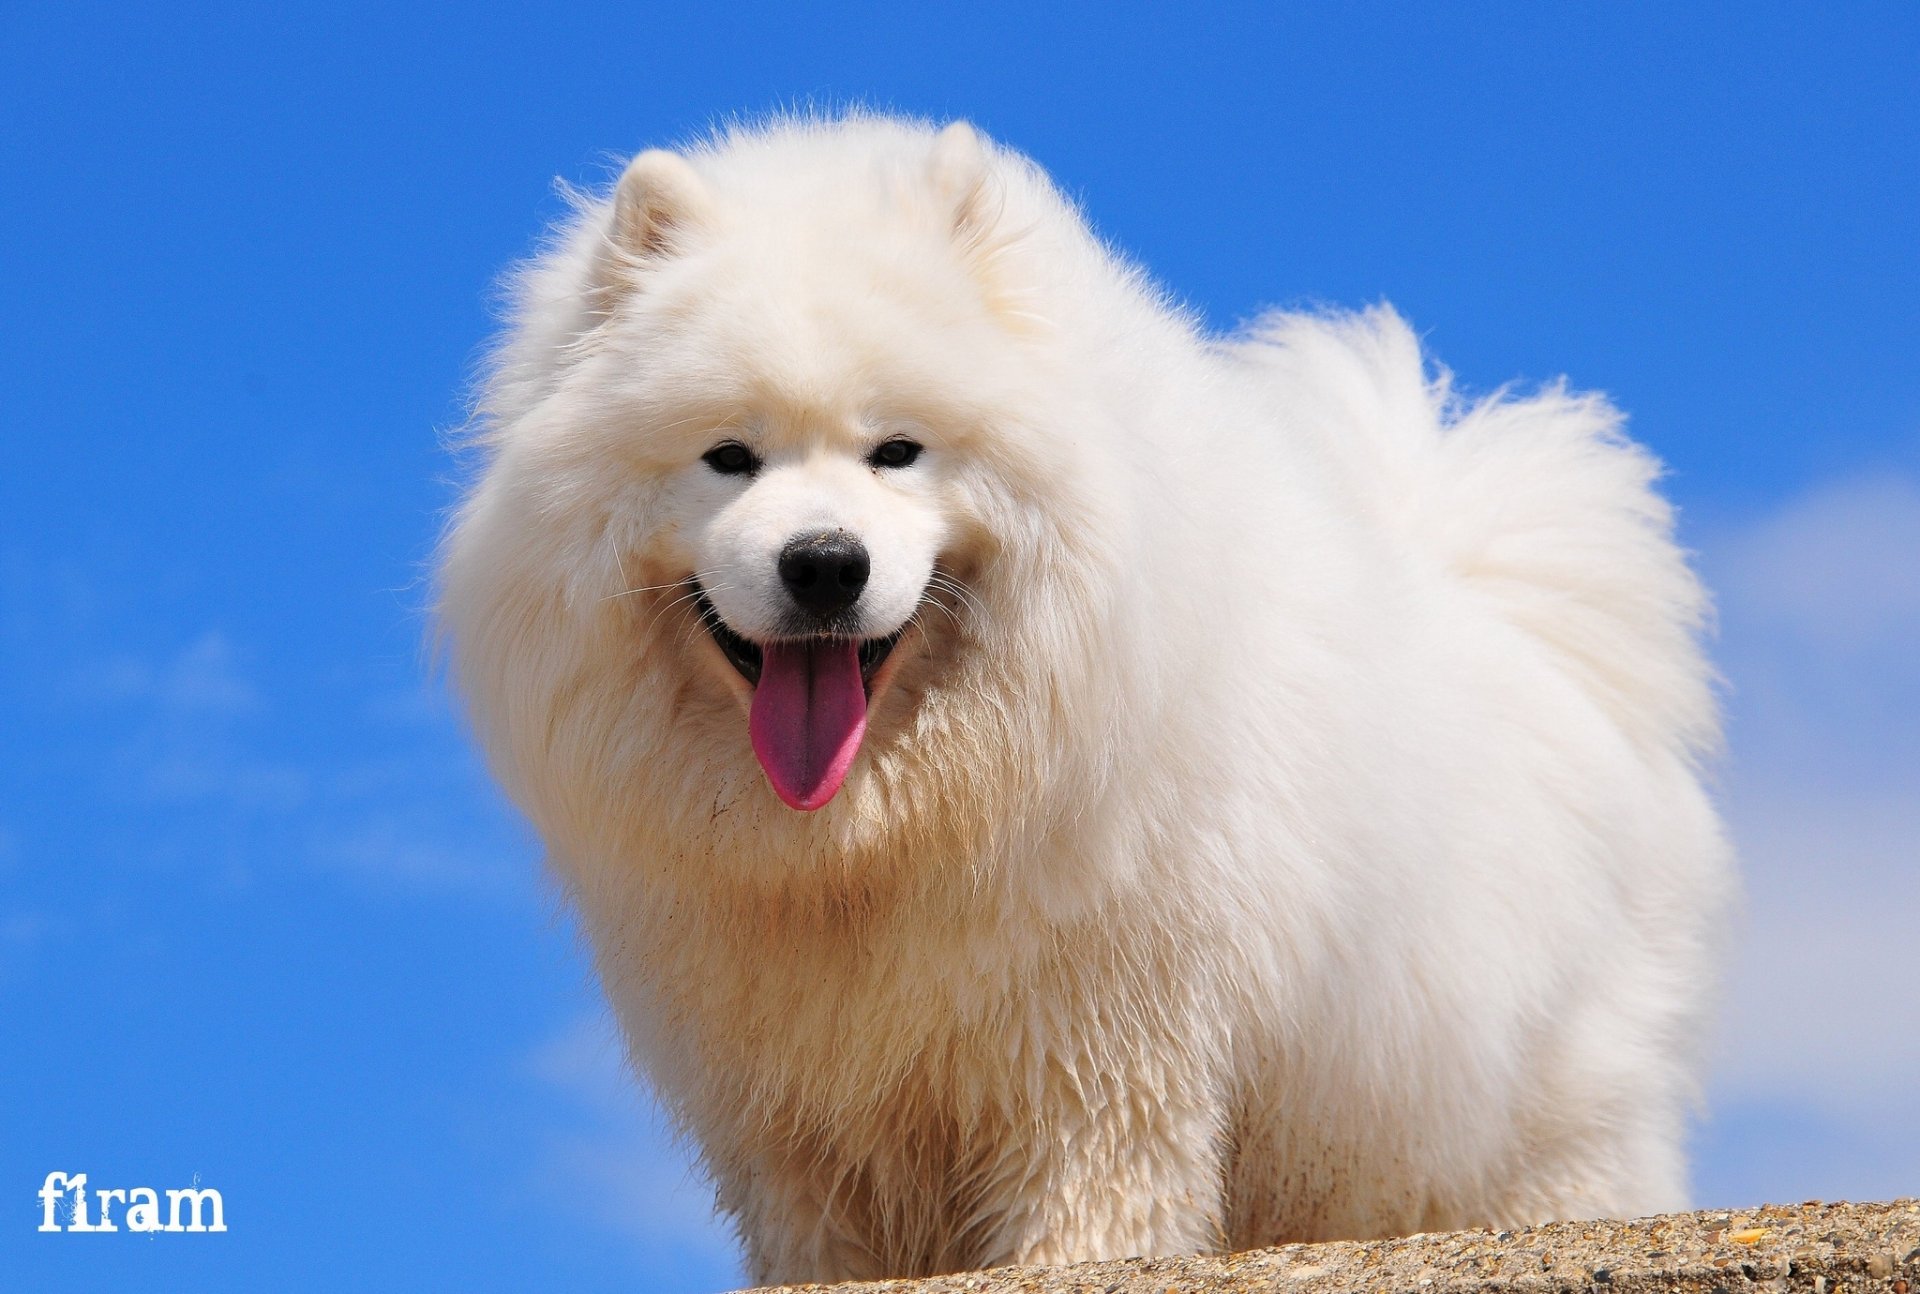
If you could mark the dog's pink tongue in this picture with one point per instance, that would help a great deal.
(809, 713)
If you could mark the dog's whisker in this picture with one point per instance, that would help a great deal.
(939, 586)
(942, 603)
(691, 595)
(644, 588)
(948, 584)
(935, 605)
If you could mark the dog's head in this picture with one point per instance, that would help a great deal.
(777, 469)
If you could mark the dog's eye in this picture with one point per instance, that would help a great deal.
(895, 453)
(730, 458)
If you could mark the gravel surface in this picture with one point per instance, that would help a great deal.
(1810, 1248)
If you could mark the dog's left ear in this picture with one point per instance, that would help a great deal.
(660, 199)
(975, 194)
(963, 177)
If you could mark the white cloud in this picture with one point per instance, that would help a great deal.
(184, 736)
(22, 935)
(203, 678)
(1820, 642)
(418, 811)
(607, 1152)
(1839, 567)
(188, 741)
(418, 848)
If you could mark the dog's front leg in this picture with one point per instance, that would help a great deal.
(1119, 1163)
(784, 1207)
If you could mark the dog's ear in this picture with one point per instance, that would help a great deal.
(659, 200)
(963, 178)
(974, 193)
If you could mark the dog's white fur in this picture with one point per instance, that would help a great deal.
(1281, 820)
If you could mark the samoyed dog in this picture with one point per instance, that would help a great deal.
(1043, 782)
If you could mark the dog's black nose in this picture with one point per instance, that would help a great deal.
(825, 573)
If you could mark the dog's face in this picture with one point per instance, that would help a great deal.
(809, 549)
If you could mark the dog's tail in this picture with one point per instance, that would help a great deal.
(1538, 503)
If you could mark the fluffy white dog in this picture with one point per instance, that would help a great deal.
(1044, 783)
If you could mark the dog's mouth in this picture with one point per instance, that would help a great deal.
(809, 709)
(747, 657)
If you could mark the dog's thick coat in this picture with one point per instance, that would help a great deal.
(1280, 819)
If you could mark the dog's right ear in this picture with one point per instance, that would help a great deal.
(660, 199)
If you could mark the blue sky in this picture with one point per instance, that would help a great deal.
(262, 918)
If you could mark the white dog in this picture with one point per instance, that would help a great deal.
(1043, 783)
